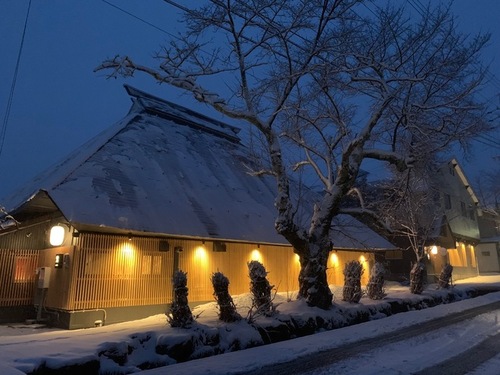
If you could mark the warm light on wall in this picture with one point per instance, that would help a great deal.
(125, 256)
(434, 250)
(56, 235)
(256, 255)
(334, 259)
(200, 255)
(362, 259)
(127, 250)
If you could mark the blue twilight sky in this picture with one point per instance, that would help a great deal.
(59, 103)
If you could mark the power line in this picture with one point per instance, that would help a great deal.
(3, 130)
(139, 18)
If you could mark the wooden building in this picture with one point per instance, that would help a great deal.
(96, 239)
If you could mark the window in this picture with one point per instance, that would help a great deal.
(447, 201)
(24, 269)
(151, 265)
(463, 209)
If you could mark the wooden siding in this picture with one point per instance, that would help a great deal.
(17, 276)
(337, 261)
(34, 237)
(113, 271)
(463, 260)
(200, 262)
(108, 271)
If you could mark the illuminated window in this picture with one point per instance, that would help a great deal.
(24, 270)
(458, 257)
(473, 256)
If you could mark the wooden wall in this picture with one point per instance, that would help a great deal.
(200, 262)
(464, 261)
(109, 271)
(113, 271)
(17, 276)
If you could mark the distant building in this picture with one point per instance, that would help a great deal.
(488, 249)
(165, 188)
(454, 229)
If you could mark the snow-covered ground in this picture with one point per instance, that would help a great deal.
(25, 348)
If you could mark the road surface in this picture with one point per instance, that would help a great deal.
(455, 344)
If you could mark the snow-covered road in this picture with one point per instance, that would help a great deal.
(425, 353)
(407, 356)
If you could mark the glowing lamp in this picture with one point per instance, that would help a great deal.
(434, 250)
(56, 235)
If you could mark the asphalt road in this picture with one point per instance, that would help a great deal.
(468, 360)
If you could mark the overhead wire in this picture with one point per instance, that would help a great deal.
(139, 18)
(417, 5)
(3, 130)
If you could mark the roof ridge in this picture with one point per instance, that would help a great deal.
(167, 109)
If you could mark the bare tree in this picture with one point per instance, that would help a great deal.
(411, 206)
(327, 84)
(488, 189)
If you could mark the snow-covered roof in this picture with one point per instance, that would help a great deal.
(166, 169)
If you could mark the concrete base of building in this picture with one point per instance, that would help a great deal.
(99, 317)
(16, 314)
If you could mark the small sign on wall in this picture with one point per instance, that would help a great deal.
(58, 263)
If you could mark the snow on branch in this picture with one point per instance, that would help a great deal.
(125, 67)
(401, 163)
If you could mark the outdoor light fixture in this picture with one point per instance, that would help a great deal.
(56, 235)
(178, 249)
(434, 250)
(130, 236)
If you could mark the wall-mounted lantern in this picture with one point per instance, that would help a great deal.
(56, 235)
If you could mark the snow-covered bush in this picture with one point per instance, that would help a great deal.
(375, 289)
(352, 281)
(417, 278)
(260, 289)
(445, 276)
(179, 314)
(227, 309)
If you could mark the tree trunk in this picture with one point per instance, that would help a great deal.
(313, 283)
(417, 278)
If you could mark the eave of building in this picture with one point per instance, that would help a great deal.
(464, 180)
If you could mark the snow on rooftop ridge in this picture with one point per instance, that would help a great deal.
(182, 115)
